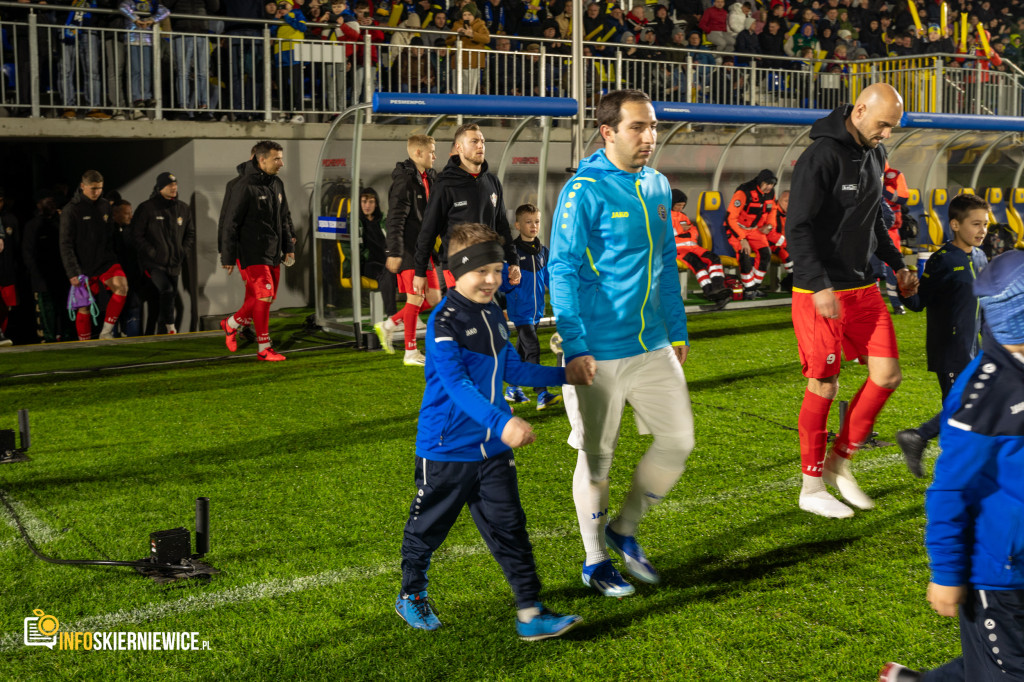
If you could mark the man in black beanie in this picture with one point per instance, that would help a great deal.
(164, 236)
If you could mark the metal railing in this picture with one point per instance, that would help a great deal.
(248, 72)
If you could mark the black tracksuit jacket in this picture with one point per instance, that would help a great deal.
(163, 234)
(835, 220)
(257, 228)
(86, 237)
(458, 197)
(407, 202)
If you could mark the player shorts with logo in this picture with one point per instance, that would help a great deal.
(864, 328)
(261, 280)
(405, 279)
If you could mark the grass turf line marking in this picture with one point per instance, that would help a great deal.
(280, 587)
(36, 527)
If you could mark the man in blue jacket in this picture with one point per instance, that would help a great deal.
(975, 530)
(615, 293)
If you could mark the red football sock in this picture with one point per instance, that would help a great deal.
(410, 314)
(83, 323)
(261, 321)
(114, 308)
(813, 424)
(860, 417)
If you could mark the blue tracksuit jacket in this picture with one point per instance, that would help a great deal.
(468, 357)
(525, 301)
(975, 505)
(614, 282)
(954, 319)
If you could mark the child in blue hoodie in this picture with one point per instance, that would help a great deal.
(525, 301)
(465, 438)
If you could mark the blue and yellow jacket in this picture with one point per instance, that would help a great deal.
(525, 301)
(975, 505)
(291, 31)
(468, 357)
(614, 283)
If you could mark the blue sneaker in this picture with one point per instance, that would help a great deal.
(546, 624)
(636, 561)
(606, 580)
(514, 394)
(417, 611)
(546, 399)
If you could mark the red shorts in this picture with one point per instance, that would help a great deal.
(261, 280)
(405, 280)
(113, 271)
(8, 296)
(241, 270)
(864, 328)
(449, 279)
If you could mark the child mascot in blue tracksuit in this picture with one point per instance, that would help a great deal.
(465, 438)
(975, 505)
(525, 301)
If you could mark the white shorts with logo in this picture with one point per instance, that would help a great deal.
(653, 383)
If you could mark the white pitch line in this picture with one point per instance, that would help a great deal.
(276, 588)
(37, 529)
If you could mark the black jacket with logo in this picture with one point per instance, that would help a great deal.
(835, 220)
(86, 237)
(163, 233)
(257, 228)
(458, 197)
(407, 202)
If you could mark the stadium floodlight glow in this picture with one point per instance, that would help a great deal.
(10, 454)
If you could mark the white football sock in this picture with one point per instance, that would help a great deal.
(811, 484)
(232, 322)
(264, 346)
(108, 328)
(527, 614)
(591, 510)
(651, 482)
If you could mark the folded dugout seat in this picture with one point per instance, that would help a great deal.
(938, 220)
(1015, 213)
(711, 220)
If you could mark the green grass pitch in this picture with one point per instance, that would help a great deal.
(309, 467)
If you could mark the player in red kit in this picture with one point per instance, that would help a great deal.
(834, 226)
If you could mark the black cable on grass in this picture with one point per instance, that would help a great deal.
(79, 562)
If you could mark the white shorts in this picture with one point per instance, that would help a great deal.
(653, 383)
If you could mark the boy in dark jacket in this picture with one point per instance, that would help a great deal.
(465, 436)
(525, 301)
(87, 249)
(974, 533)
(947, 291)
(164, 237)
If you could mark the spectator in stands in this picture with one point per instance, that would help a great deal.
(246, 58)
(662, 26)
(597, 29)
(830, 21)
(636, 20)
(871, 38)
(191, 55)
(41, 254)
(473, 33)
(426, 9)
(501, 67)
(779, 14)
(904, 46)
(10, 249)
(80, 64)
(500, 16)
(735, 20)
(341, 29)
(416, 70)
(140, 49)
(772, 42)
(803, 39)
(291, 30)
(564, 21)
(115, 56)
(164, 237)
(747, 42)
(628, 48)
(533, 13)
(617, 20)
(703, 62)
(87, 250)
(367, 24)
(440, 23)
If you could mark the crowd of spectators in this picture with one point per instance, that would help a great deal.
(224, 72)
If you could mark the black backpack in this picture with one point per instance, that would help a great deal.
(909, 226)
(999, 238)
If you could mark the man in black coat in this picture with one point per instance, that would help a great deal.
(164, 237)
(87, 249)
(464, 193)
(257, 234)
(412, 181)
